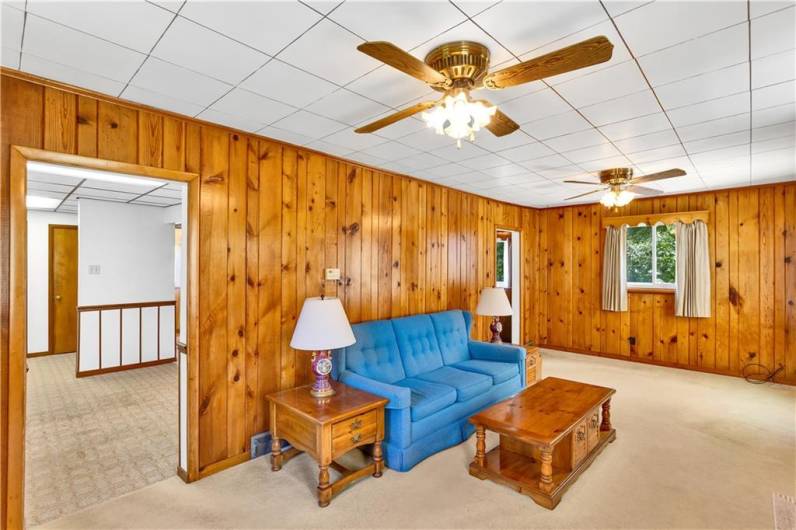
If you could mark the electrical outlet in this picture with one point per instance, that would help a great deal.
(94, 269)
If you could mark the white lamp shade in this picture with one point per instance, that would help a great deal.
(322, 325)
(493, 302)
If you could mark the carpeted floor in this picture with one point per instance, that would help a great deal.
(95, 438)
(693, 451)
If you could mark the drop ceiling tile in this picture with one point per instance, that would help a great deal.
(425, 140)
(168, 192)
(504, 171)
(329, 51)
(604, 163)
(772, 115)
(526, 152)
(62, 180)
(711, 85)
(490, 142)
(535, 106)
(422, 161)
(774, 69)
(558, 125)
(397, 22)
(774, 33)
(323, 7)
(329, 149)
(498, 97)
(719, 126)
(758, 8)
(349, 139)
(609, 83)
(546, 162)
(306, 123)
(197, 48)
(391, 87)
(11, 21)
(67, 74)
(774, 95)
(447, 170)
(85, 192)
(252, 107)
(245, 21)
(399, 129)
(578, 140)
(473, 7)
(134, 24)
(284, 135)
(9, 58)
(465, 31)
(617, 7)
(621, 109)
(718, 142)
(774, 166)
(179, 83)
(711, 52)
(715, 155)
(710, 110)
(282, 82)
(152, 200)
(347, 107)
(34, 185)
(49, 194)
(636, 126)
(661, 153)
(452, 153)
(659, 25)
(648, 141)
(484, 161)
(77, 50)
(540, 25)
(231, 120)
(595, 152)
(160, 101)
(391, 151)
(787, 129)
(679, 184)
(773, 144)
(364, 158)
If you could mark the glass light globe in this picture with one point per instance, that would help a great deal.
(624, 197)
(458, 117)
(609, 199)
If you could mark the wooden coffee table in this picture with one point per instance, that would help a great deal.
(549, 434)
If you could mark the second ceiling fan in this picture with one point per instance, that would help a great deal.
(456, 68)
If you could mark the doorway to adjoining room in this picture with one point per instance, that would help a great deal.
(507, 276)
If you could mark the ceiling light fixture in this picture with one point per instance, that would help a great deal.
(35, 202)
(459, 117)
(616, 198)
(92, 174)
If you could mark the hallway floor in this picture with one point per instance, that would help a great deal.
(95, 438)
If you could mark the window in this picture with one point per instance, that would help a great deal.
(502, 265)
(651, 256)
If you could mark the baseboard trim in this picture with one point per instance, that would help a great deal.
(41, 354)
(111, 369)
(221, 465)
(183, 474)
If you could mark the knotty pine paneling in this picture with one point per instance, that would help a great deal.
(272, 218)
(752, 237)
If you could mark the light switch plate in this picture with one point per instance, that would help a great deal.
(93, 269)
(332, 274)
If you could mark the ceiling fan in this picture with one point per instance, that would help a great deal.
(621, 187)
(456, 68)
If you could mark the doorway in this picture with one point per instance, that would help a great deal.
(507, 276)
(62, 285)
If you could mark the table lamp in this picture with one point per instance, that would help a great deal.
(493, 302)
(322, 326)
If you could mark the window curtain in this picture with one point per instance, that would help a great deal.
(692, 297)
(615, 269)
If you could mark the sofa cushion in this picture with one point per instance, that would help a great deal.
(427, 397)
(452, 336)
(467, 384)
(499, 372)
(417, 344)
(375, 353)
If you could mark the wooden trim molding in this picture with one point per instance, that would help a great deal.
(654, 218)
(130, 305)
(122, 368)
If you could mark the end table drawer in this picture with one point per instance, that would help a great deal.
(364, 421)
(353, 432)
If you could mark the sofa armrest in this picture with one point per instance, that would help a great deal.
(400, 397)
(487, 351)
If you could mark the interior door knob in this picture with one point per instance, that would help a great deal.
(58, 297)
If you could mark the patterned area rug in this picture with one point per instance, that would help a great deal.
(95, 438)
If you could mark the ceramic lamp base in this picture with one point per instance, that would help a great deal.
(322, 367)
(496, 328)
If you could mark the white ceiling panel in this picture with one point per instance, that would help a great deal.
(253, 107)
(636, 126)
(79, 51)
(391, 87)
(9, 58)
(347, 107)
(780, 130)
(758, 8)
(199, 49)
(288, 84)
(547, 162)
(772, 115)
(447, 170)
(773, 33)
(484, 161)
(621, 109)
(718, 142)
(326, 147)
(324, 7)
(578, 140)
(595, 166)
(422, 161)
(617, 7)
(609, 83)
(11, 21)
(489, 141)
(711, 85)
(648, 141)
(365, 158)
(424, 140)
(84, 192)
(67, 74)
(526, 152)
(161, 101)
(349, 139)
(452, 153)
(774, 95)
(496, 97)
(715, 127)
(231, 120)
(284, 135)
(595, 152)
(465, 31)
(245, 21)
(710, 110)
(774, 69)
(660, 153)
(658, 25)
(178, 83)
(505, 171)
(535, 106)
(308, 124)
(398, 22)
(558, 125)
(391, 151)
(134, 24)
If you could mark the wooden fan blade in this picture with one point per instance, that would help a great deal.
(501, 125)
(641, 190)
(584, 182)
(587, 53)
(669, 173)
(398, 116)
(394, 56)
(582, 195)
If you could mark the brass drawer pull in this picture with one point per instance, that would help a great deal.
(581, 436)
(355, 438)
(594, 421)
(356, 424)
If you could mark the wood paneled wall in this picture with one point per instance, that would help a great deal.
(752, 234)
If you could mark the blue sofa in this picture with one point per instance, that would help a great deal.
(434, 376)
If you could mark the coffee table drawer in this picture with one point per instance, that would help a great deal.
(580, 444)
(593, 431)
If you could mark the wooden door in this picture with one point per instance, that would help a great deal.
(63, 288)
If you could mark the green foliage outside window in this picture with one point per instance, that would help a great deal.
(664, 248)
(640, 247)
(500, 255)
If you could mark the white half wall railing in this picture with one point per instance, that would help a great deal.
(116, 337)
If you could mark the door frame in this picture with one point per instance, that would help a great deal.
(50, 305)
(15, 487)
(521, 293)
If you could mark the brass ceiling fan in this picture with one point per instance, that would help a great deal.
(621, 187)
(456, 68)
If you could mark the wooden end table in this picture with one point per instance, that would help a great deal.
(327, 428)
(549, 434)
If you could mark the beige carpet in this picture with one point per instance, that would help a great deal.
(95, 438)
(693, 451)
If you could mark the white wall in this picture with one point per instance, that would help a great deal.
(38, 277)
(134, 248)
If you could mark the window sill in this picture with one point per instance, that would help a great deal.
(651, 290)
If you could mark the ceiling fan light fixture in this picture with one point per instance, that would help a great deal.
(617, 199)
(458, 117)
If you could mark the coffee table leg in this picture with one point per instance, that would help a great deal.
(606, 423)
(378, 460)
(546, 479)
(324, 489)
(480, 445)
(276, 454)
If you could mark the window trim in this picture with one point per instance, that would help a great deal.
(506, 282)
(654, 285)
